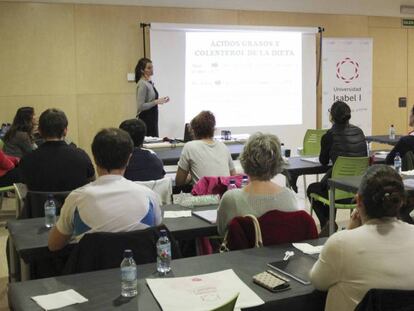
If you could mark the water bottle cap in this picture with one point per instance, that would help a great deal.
(245, 177)
(163, 232)
(128, 253)
(397, 154)
(50, 196)
(232, 181)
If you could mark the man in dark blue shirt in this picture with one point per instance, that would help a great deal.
(144, 164)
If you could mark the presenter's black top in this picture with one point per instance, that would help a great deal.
(147, 109)
(56, 166)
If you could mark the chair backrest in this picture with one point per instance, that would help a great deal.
(104, 250)
(387, 299)
(35, 200)
(228, 306)
(1, 144)
(348, 166)
(312, 141)
(276, 227)
(163, 187)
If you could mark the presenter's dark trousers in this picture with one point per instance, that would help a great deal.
(150, 118)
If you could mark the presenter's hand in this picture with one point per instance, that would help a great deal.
(162, 100)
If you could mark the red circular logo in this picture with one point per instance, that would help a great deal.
(347, 70)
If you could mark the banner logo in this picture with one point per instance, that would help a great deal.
(347, 70)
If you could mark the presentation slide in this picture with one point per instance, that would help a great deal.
(253, 78)
(242, 74)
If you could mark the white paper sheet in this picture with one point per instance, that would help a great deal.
(59, 299)
(209, 215)
(202, 292)
(307, 248)
(177, 214)
(311, 159)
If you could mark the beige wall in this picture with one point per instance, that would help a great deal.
(76, 57)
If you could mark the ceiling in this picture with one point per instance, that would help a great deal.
(349, 7)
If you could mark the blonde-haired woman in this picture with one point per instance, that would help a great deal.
(261, 160)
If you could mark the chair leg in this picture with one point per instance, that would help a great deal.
(1, 200)
(305, 186)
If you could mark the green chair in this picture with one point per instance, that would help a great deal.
(312, 147)
(312, 142)
(344, 166)
(228, 306)
(1, 144)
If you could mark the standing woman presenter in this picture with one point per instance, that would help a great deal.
(147, 96)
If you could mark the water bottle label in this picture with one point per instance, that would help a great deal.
(164, 251)
(129, 274)
(50, 211)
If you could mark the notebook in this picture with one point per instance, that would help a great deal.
(296, 267)
(209, 216)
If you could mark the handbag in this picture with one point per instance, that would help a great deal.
(224, 247)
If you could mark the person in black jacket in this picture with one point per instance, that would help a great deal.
(342, 139)
(405, 144)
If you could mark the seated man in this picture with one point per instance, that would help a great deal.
(55, 165)
(111, 203)
(144, 164)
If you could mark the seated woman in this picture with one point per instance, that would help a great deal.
(9, 173)
(144, 164)
(373, 252)
(18, 140)
(404, 144)
(203, 156)
(261, 161)
(342, 139)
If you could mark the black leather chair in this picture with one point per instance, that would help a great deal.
(387, 300)
(104, 250)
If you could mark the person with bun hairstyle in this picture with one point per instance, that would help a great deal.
(342, 139)
(147, 96)
(373, 252)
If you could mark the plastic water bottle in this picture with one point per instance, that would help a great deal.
(245, 181)
(397, 163)
(392, 132)
(282, 149)
(163, 253)
(128, 275)
(232, 185)
(50, 211)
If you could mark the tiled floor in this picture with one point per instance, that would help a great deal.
(8, 212)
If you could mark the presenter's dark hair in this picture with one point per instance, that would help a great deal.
(382, 192)
(203, 125)
(137, 129)
(22, 122)
(111, 148)
(52, 123)
(139, 68)
(340, 112)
